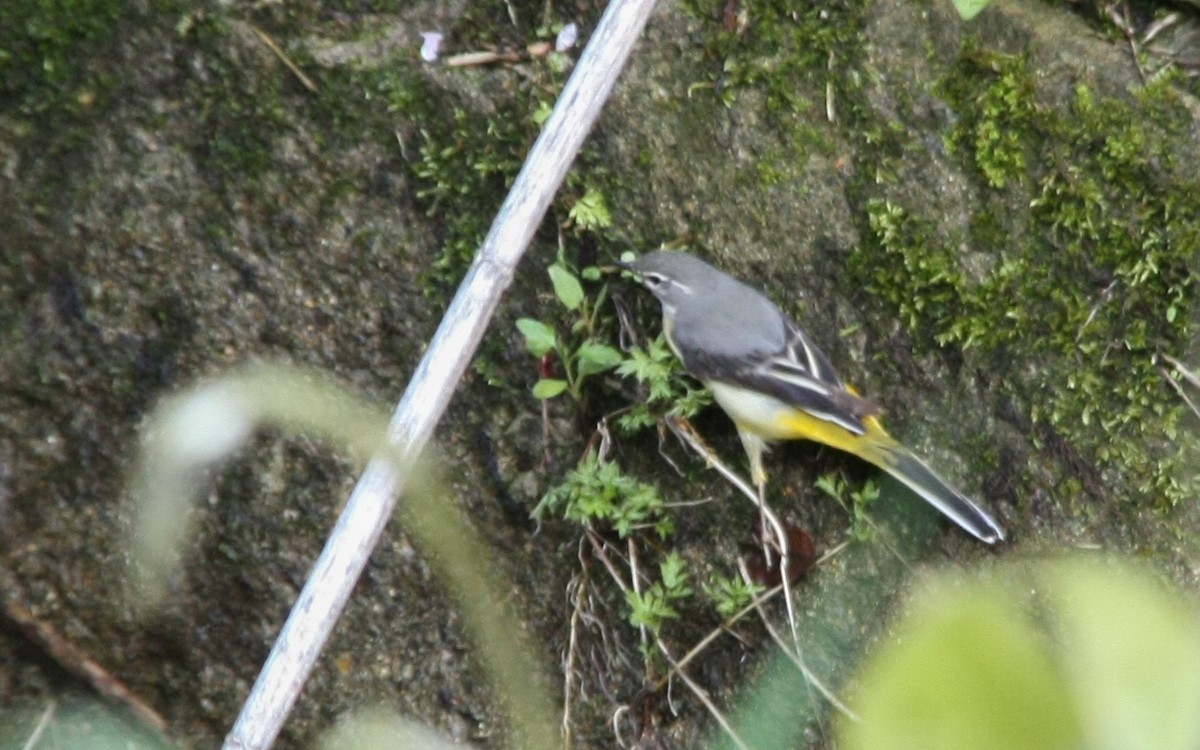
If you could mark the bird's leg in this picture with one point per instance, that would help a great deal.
(755, 447)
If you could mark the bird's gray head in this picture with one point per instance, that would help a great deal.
(672, 276)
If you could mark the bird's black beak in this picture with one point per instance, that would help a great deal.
(623, 267)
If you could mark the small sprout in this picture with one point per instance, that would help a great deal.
(542, 113)
(578, 354)
(654, 605)
(596, 492)
(656, 367)
(591, 211)
(730, 594)
(854, 503)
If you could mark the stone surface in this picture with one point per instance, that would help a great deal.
(211, 210)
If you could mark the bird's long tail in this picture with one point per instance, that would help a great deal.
(889, 455)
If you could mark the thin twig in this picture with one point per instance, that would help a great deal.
(1187, 374)
(43, 722)
(304, 80)
(1183, 370)
(635, 580)
(703, 696)
(793, 653)
(1121, 19)
(361, 524)
(74, 660)
(684, 430)
(676, 668)
(579, 583)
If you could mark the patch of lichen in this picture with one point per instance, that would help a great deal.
(1098, 285)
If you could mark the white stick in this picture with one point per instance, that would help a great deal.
(370, 505)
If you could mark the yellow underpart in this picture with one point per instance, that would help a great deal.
(800, 425)
(761, 418)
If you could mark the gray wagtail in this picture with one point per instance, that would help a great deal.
(774, 382)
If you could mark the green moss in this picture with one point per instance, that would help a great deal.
(242, 111)
(993, 97)
(799, 62)
(462, 162)
(1092, 283)
(49, 51)
(911, 261)
(780, 48)
(464, 156)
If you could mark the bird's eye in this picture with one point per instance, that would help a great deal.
(653, 280)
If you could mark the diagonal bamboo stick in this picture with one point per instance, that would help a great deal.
(370, 505)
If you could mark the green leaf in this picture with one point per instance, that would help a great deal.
(730, 594)
(594, 358)
(596, 491)
(1132, 655)
(591, 211)
(566, 287)
(968, 9)
(539, 337)
(542, 113)
(967, 670)
(650, 609)
(674, 576)
(549, 388)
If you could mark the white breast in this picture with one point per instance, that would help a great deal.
(760, 412)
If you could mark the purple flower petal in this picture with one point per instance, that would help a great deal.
(566, 38)
(431, 43)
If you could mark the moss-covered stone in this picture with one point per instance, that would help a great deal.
(991, 237)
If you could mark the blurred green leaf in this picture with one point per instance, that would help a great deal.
(591, 211)
(1071, 654)
(549, 388)
(566, 287)
(377, 729)
(594, 358)
(539, 337)
(968, 9)
(1131, 652)
(967, 670)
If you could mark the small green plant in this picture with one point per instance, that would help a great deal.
(654, 605)
(596, 491)
(591, 212)
(731, 594)
(669, 392)
(581, 355)
(855, 503)
(462, 166)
